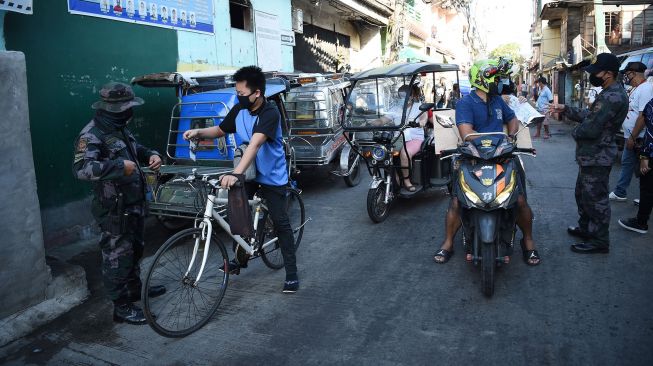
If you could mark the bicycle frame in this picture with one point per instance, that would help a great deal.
(207, 229)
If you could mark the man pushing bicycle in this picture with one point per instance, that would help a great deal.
(258, 124)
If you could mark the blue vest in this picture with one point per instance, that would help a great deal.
(271, 166)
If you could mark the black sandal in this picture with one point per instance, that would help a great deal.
(528, 255)
(444, 254)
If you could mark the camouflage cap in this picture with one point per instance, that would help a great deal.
(116, 98)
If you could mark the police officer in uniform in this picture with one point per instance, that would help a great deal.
(596, 151)
(107, 155)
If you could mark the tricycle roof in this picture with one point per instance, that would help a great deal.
(186, 79)
(273, 86)
(404, 69)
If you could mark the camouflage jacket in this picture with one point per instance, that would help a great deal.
(100, 151)
(595, 135)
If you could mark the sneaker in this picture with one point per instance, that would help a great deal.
(614, 197)
(636, 201)
(290, 287)
(128, 313)
(632, 225)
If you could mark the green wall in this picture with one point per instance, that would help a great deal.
(68, 58)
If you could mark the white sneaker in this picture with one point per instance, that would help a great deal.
(614, 197)
(636, 201)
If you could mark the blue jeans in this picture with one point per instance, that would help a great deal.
(628, 162)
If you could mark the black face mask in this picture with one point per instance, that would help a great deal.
(596, 81)
(244, 101)
(493, 90)
(116, 119)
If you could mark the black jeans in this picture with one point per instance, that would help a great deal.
(277, 203)
(645, 197)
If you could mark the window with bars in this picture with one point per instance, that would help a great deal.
(637, 27)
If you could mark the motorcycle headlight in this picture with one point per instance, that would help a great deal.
(468, 191)
(505, 194)
(379, 152)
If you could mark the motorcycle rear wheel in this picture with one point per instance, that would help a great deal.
(488, 266)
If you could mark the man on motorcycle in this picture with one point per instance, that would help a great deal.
(483, 110)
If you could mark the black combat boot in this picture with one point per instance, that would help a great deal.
(128, 313)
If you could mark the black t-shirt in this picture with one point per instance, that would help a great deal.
(267, 123)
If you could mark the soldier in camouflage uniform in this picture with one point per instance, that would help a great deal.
(596, 150)
(107, 155)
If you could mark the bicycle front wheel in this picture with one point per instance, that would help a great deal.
(271, 254)
(188, 302)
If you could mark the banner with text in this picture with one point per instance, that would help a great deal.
(19, 6)
(268, 41)
(191, 15)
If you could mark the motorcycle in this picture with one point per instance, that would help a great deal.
(486, 174)
(377, 115)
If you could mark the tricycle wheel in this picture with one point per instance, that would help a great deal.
(377, 209)
(174, 223)
(354, 177)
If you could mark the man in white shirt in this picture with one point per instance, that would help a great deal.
(641, 93)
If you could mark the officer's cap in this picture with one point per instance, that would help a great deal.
(116, 98)
(603, 62)
(635, 67)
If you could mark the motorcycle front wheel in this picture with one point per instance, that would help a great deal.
(488, 266)
(377, 209)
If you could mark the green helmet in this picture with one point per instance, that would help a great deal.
(505, 65)
(483, 73)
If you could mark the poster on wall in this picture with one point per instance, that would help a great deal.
(191, 15)
(268, 41)
(19, 6)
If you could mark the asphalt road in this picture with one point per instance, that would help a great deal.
(372, 295)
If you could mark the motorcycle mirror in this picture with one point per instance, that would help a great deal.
(426, 106)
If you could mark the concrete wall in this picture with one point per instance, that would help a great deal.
(365, 40)
(230, 48)
(550, 48)
(369, 54)
(24, 275)
(2, 30)
(69, 57)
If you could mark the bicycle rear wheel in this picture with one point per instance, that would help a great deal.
(271, 255)
(188, 304)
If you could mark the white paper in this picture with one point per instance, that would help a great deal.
(191, 151)
(524, 111)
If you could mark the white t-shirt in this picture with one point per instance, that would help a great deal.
(636, 102)
(413, 133)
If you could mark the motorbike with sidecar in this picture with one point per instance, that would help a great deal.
(204, 99)
(374, 97)
(315, 134)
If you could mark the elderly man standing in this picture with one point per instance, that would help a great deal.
(596, 151)
(633, 125)
(107, 155)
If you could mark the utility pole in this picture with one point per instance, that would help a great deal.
(395, 33)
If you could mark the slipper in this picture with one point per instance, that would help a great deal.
(445, 254)
(530, 254)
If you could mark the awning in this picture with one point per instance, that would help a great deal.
(412, 55)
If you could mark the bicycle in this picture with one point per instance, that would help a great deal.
(195, 275)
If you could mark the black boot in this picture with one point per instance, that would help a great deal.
(154, 291)
(128, 313)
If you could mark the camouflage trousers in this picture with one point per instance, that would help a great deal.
(592, 190)
(121, 254)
